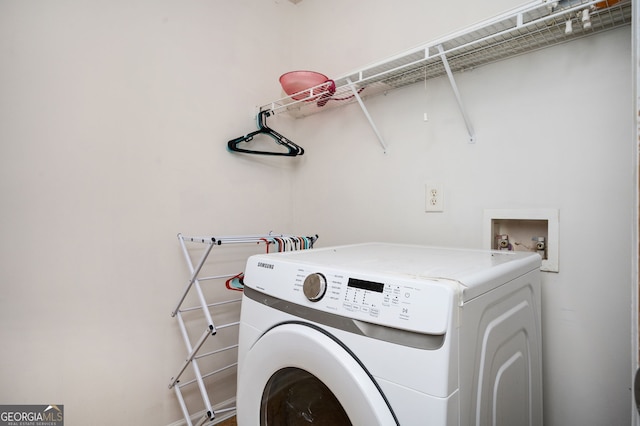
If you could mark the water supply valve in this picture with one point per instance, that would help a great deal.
(541, 246)
(503, 242)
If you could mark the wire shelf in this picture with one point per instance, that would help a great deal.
(526, 30)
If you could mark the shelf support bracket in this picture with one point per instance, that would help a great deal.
(366, 113)
(454, 86)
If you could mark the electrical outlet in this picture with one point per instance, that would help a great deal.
(434, 197)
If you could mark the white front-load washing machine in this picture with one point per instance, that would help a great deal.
(390, 334)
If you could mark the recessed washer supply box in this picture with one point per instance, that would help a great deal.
(523, 230)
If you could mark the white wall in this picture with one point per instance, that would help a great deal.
(113, 122)
(554, 130)
(114, 118)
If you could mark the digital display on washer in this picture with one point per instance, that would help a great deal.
(365, 285)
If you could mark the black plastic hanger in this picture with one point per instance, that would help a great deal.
(292, 148)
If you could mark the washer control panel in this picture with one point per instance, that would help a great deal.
(404, 301)
(400, 303)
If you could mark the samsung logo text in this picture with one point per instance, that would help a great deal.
(265, 265)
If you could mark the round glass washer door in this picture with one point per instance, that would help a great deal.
(295, 397)
(296, 374)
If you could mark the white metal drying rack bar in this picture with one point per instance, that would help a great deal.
(284, 242)
(532, 27)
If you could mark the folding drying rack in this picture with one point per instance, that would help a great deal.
(273, 242)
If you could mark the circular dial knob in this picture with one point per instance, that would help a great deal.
(314, 286)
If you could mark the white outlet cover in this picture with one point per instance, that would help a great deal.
(434, 197)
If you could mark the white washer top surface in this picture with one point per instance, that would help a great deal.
(475, 271)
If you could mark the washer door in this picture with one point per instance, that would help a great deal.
(297, 374)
